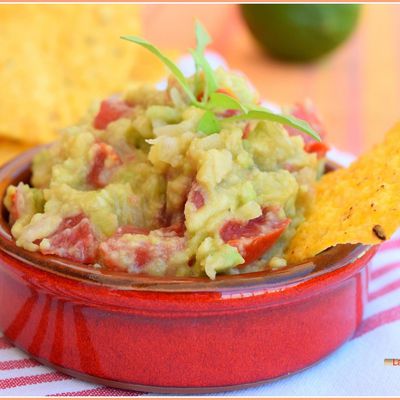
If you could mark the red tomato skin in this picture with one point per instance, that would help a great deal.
(249, 237)
(307, 112)
(246, 131)
(200, 96)
(14, 212)
(98, 175)
(259, 245)
(196, 196)
(143, 255)
(74, 240)
(110, 110)
(319, 148)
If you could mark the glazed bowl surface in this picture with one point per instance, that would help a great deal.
(176, 335)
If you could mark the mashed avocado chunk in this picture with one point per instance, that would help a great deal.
(193, 180)
(137, 187)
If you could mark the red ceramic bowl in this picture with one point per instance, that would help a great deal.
(177, 335)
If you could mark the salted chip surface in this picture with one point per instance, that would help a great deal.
(358, 204)
(55, 60)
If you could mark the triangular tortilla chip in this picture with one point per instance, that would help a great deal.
(359, 204)
(55, 60)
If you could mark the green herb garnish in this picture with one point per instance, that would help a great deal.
(222, 101)
(209, 123)
(212, 101)
(169, 63)
(262, 113)
(203, 39)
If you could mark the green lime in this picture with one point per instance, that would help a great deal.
(300, 32)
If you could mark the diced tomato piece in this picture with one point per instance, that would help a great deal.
(307, 112)
(20, 203)
(118, 253)
(246, 130)
(14, 212)
(253, 238)
(196, 196)
(143, 255)
(70, 222)
(200, 96)
(104, 163)
(74, 240)
(319, 148)
(110, 110)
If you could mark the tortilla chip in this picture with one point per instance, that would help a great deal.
(359, 204)
(55, 60)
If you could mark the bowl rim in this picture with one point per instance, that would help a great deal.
(324, 263)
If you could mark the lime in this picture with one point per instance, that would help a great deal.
(300, 32)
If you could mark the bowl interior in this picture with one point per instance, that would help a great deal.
(18, 170)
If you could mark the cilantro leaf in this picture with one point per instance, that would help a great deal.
(203, 39)
(224, 102)
(213, 100)
(283, 119)
(208, 123)
(169, 63)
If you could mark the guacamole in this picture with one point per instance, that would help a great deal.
(137, 187)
